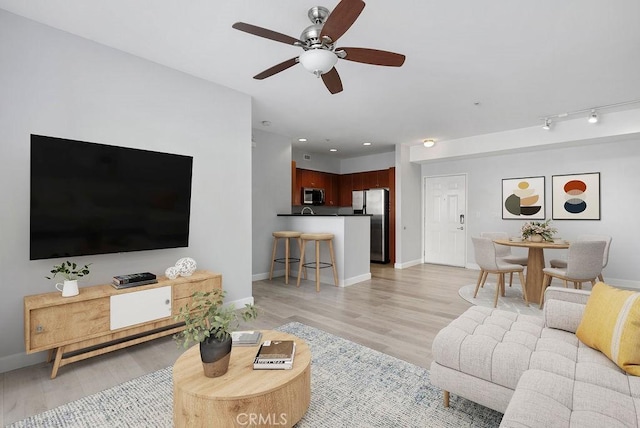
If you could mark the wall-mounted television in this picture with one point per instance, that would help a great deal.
(89, 198)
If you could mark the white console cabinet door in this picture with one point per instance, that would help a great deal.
(140, 306)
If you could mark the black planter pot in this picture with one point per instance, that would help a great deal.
(215, 356)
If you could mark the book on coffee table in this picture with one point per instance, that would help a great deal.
(246, 338)
(275, 355)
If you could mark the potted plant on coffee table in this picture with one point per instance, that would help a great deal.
(70, 271)
(210, 323)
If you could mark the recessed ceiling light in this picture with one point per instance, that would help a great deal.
(333, 150)
(428, 143)
(366, 144)
(302, 140)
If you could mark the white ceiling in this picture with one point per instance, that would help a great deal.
(519, 59)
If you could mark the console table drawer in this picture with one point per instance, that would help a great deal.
(56, 325)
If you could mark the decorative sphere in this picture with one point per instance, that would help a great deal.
(172, 272)
(186, 266)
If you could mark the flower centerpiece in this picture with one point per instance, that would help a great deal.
(543, 229)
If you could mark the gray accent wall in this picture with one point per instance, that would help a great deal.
(54, 83)
(617, 162)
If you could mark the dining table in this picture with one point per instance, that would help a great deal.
(535, 263)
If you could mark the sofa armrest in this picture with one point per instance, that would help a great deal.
(567, 294)
(564, 307)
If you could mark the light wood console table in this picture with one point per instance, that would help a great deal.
(102, 319)
(243, 396)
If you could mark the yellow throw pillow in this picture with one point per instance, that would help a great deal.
(611, 324)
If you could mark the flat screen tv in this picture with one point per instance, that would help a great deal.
(89, 198)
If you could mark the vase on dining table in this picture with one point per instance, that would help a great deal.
(536, 238)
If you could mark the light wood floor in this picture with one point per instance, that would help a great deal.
(397, 312)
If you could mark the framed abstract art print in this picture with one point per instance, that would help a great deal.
(523, 198)
(576, 196)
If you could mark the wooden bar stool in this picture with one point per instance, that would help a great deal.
(287, 259)
(317, 264)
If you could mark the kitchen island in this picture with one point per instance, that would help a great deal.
(351, 244)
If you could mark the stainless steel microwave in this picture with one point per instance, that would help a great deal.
(312, 196)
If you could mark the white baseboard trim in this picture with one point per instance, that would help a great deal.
(240, 303)
(20, 360)
(407, 264)
(356, 279)
(344, 283)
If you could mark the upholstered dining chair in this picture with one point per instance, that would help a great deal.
(584, 264)
(503, 252)
(489, 262)
(562, 263)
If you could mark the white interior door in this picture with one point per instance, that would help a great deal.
(445, 220)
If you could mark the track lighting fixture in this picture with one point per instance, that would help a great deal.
(428, 143)
(593, 115)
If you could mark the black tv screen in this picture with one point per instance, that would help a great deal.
(89, 198)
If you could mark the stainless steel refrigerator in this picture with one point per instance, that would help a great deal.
(375, 202)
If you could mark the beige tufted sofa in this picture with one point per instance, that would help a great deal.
(534, 370)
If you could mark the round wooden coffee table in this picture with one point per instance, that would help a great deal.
(242, 396)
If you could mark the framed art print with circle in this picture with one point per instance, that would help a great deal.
(523, 198)
(576, 196)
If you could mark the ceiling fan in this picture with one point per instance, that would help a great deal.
(318, 42)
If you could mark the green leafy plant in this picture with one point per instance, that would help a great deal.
(69, 270)
(206, 317)
(543, 229)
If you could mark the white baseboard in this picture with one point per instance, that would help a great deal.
(20, 360)
(240, 303)
(345, 283)
(356, 279)
(407, 264)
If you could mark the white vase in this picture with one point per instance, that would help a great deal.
(68, 288)
(536, 238)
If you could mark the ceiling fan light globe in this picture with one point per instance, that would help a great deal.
(318, 61)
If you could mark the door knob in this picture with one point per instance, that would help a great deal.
(461, 228)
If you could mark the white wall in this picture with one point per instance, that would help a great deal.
(408, 210)
(617, 163)
(54, 83)
(317, 162)
(271, 195)
(368, 163)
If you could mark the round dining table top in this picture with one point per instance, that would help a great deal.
(529, 244)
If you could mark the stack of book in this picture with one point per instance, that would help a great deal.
(275, 354)
(246, 338)
(133, 280)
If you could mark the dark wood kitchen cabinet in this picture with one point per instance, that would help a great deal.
(331, 190)
(345, 186)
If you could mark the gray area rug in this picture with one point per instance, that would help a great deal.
(512, 301)
(351, 385)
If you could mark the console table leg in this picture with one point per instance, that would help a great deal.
(56, 363)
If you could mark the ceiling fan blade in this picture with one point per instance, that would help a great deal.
(267, 34)
(341, 19)
(373, 56)
(332, 81)
(276, 68)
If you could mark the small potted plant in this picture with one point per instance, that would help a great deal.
(70, 271)
(210, 323)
